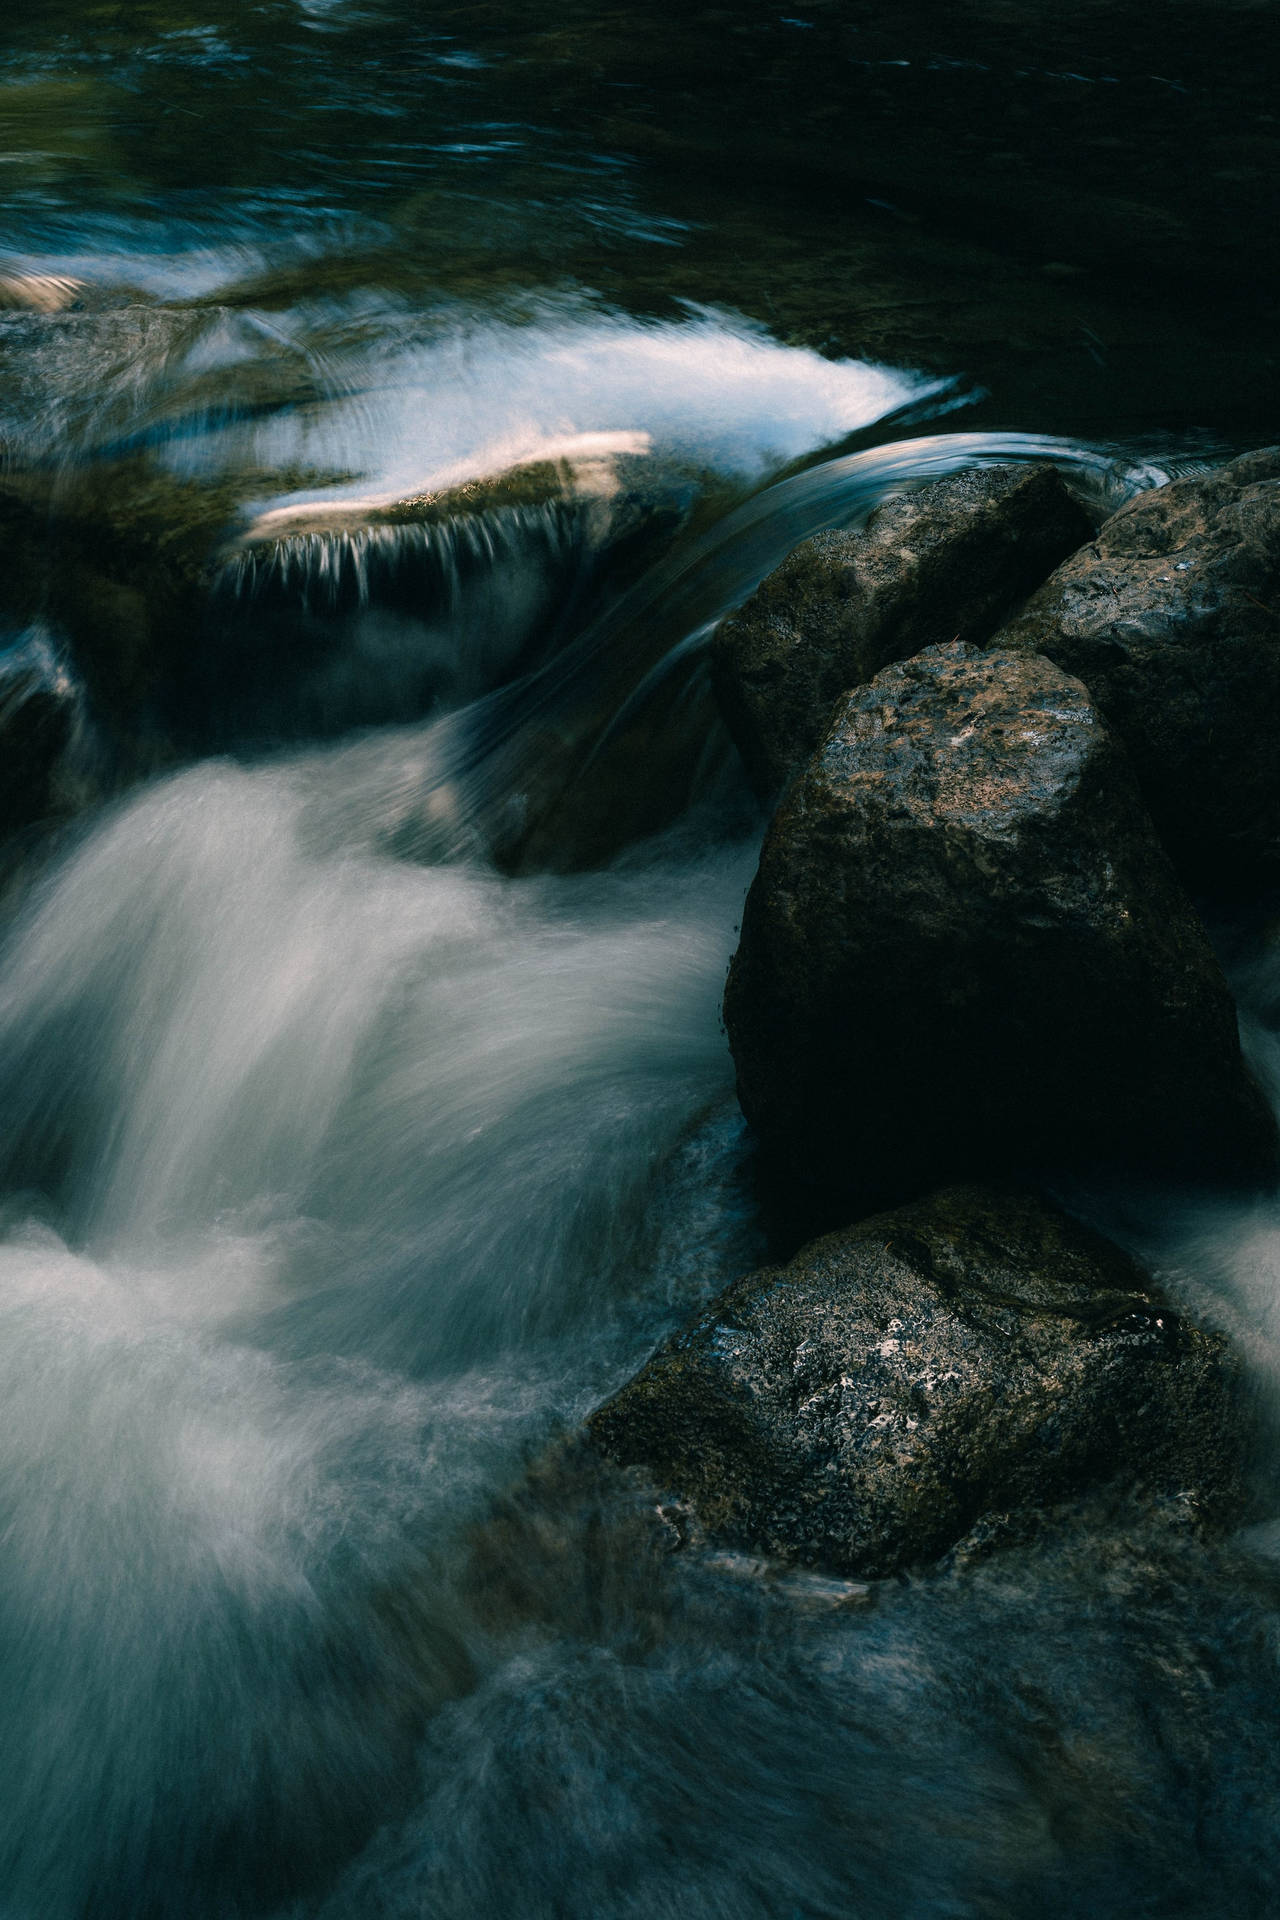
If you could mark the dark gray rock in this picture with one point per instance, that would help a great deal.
(1171, 617)
(965, 949)
(864, 1407)
(949, 561)
(38, 704)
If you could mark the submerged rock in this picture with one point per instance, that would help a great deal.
(1171, 617)
(38, 705)
(865, 1406)
(120, 566)
(947, 562)
(965, 948)
(591, 469)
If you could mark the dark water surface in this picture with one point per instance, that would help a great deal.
(392, 397)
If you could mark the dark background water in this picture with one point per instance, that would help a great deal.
(1074, 205)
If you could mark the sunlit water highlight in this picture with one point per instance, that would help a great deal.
(710, 391)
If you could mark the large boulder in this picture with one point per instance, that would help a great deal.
(1171, 617)
(864, 1407)
(964, 949)
(948, 561)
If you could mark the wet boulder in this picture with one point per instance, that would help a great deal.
(964, 949)
(948, 561)
(1171, 617)
(866, 1406)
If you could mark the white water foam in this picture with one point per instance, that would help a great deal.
(713, 391)
(338, 1174)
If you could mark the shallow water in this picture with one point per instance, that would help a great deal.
(367, 1116)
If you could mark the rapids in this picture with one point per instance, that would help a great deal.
(365, 1114)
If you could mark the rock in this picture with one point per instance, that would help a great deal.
(335, 614)
(864, 1407)
(587, 470)
(1171, 617)
(949, 561)
(37, 721)
(119, 565)
(965, 949)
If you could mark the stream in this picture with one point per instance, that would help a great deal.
(365, 1112)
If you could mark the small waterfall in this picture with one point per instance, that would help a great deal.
(319, 632)
(352, 567)
(393, 398)
(367, 1119)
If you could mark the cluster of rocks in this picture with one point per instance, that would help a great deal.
(968, 955)
(1005, 750)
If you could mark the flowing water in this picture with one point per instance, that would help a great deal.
(392, 399)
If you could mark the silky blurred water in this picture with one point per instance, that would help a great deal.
(345, 1175)
(340, 1182)
(391, 402)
